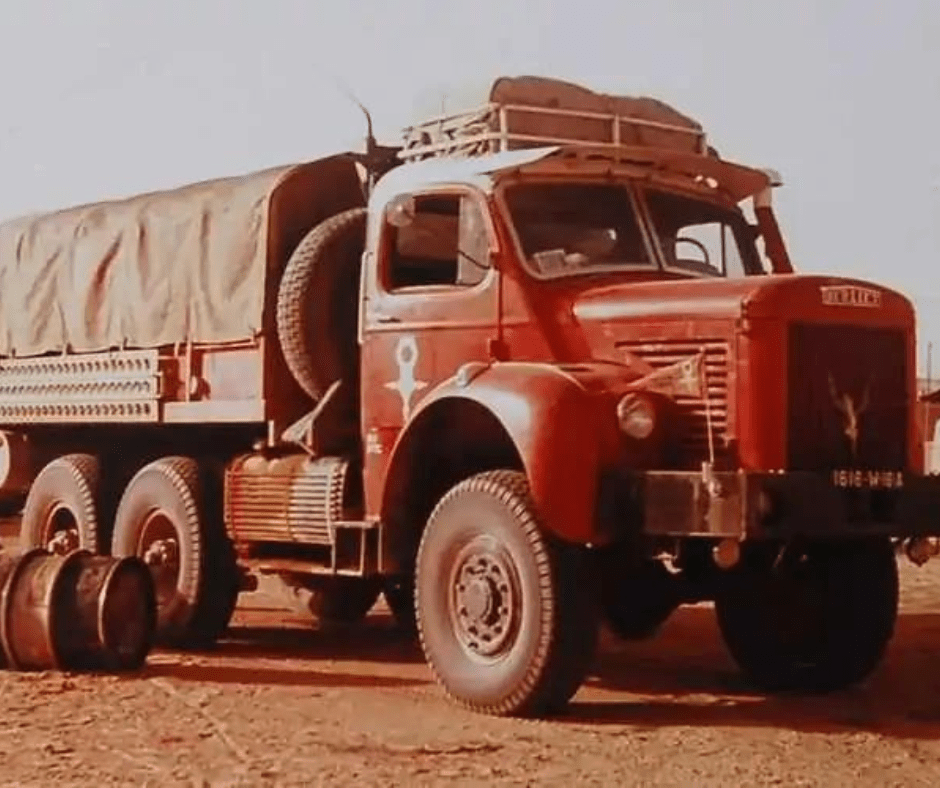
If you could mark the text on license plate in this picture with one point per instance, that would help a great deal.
(872, 480)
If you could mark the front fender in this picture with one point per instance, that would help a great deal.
(560, 429)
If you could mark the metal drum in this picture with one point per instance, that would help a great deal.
(75, 612)
(28, 603)
(109, 616)
(8, 562)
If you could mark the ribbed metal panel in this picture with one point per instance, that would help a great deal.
(286, 499)
(87, 387)
(694, 426)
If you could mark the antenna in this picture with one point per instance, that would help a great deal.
(371, 158)
(344, 89)
(378, 159)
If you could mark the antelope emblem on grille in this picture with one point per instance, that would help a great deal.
(851, 411)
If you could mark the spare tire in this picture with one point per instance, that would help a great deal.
(318, 305)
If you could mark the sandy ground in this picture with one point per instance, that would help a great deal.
(281, 704)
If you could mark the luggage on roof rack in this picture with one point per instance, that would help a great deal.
(526, 112)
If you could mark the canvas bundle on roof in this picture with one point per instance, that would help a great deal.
(527, 111)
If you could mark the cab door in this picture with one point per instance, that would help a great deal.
(430, 308)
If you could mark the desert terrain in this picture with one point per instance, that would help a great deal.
(283, 703)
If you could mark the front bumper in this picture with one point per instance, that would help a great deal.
(743, 504)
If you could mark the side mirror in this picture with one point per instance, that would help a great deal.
(776, 180)
(401, 211)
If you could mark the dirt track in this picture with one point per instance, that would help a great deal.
(282, 705)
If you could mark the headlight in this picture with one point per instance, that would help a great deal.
(636, 416)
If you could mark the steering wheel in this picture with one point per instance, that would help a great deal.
(699, 244)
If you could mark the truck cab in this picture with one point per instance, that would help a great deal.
(622, 328)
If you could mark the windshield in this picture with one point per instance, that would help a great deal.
(699, 237)
(570, 228)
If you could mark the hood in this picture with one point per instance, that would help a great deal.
(829, 298)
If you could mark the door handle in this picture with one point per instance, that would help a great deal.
(380, 318)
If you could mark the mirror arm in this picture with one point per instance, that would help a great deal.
(770, 231)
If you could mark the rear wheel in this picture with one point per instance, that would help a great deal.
(818, 620)
(170, 517)
(62, 508)
(505, 615)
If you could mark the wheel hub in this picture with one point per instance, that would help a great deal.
(61, 531)
(478, 598)
(158, 547)
(63, 542)
(483, 601)
(162, 553)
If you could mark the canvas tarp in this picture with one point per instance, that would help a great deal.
(188, 264)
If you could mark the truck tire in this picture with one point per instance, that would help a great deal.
(170, 517)
(505, 616)
(636, 597)
(819, 622)
(61, 509)
(318, 305)
(343, 600)
(331, 599)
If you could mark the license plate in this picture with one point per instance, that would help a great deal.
(867, 480)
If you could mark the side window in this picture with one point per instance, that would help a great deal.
(445, 243)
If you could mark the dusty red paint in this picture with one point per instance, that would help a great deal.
(561, 423)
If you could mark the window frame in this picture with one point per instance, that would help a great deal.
(387, 234)
(749, 256)
(635, 187)
(627, 185)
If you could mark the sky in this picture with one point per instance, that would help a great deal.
(106, 98)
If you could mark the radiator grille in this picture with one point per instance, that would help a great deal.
(847, 392)
(693, 428)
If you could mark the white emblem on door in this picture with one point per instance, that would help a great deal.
(406, 355)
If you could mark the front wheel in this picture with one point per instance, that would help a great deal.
(817, 620)
(505, 616)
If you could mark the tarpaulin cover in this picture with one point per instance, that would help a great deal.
(188, 264)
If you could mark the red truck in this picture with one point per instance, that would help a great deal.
(545, 364)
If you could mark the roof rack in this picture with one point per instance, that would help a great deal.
(496, 127)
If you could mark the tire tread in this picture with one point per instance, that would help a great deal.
(569, 621)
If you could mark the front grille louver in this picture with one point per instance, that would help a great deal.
(693, 430)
